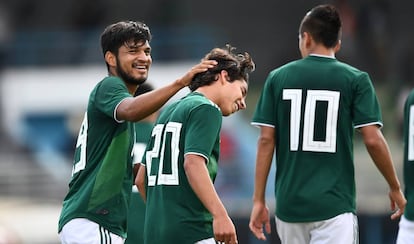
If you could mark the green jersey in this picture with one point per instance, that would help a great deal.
(136, 214)
(314, 104)
(102, 168)
(174, 212)
(409, 156)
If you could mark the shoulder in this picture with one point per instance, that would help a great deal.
(284, 69)
(198, 105)
(111, 84)
(112, 81)
(410, 97)
(196, 100)
(352, 70)
(286, 66)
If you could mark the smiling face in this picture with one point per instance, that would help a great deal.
(133, 62)
(233, 95)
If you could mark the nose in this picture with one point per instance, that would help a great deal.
(242, 104)
(143, 56)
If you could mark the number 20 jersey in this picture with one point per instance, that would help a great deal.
(174, 213)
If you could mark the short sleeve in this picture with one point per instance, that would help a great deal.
(366, 108)
(265, 111)
(203, 129)
(110, 94)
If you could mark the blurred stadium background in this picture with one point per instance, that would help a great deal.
(50, 59)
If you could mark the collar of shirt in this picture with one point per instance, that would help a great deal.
(324, 56)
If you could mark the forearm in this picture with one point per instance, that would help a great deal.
(137, 108)
(378, 149)
(381, 156)
(264, 157)
(263, 164)
(200, 182)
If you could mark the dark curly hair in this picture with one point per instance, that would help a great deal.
(238, 66)
(123, 33)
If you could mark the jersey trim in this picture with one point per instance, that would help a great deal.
(322, 56)
(372, 123)
(116, 108)
(199, 154)
(257, 124)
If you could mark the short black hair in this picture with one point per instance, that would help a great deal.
(143, 88)
(118, 34)
(323, 23)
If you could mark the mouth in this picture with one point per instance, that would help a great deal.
(236, 107)
(140, 67)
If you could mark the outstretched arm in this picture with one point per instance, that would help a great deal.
(137, 108)
(377, 148)
(259, 217)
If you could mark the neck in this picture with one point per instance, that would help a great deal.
(208, 92)
(323, 51)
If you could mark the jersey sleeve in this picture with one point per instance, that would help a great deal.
(366, 110)
(110, 94)
(265, 111)
(203, 129)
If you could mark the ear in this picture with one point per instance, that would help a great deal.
(307, 39)
(337, 46)
(110, 58)
(224, 75)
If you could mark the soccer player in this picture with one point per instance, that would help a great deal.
(307, 112)
(95, 208)
(406, 225)
(136, 214)
(181, 160)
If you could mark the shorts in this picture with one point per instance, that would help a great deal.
(341, 229)
(81, 230)
(405, 231)
(207, 241)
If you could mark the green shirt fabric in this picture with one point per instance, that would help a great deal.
(408, 169)
(101, 181)
(314, 104)
(136, 214)
(174, 213)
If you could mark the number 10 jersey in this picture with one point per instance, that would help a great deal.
(315, 104)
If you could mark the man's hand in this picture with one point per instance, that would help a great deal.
(224, 230)
(203, 66)
(259, 218)
(398, 203)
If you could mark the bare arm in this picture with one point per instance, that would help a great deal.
(137, 108)
(135, 169)
(260, 212)
(199, 179)
(377, 148)
(140, 180)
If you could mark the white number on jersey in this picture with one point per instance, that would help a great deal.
(410, 145)
(312, 97)
(81, 146)
(138, 151)
(160, 142)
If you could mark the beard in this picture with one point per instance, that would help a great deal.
(128, 78)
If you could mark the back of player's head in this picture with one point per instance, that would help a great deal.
(323, 23)
(238, 66)
(123, 32)
(143, 88)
